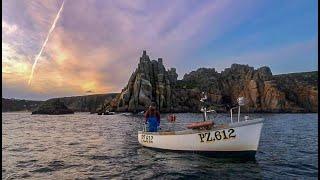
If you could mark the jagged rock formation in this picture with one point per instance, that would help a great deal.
(53, 107)
(263, 91)
(150, 82)
(300, 88)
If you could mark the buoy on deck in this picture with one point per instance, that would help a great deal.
(172, 118)
(201, 125)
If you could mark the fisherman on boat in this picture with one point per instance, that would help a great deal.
(152, 117)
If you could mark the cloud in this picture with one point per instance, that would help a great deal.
(12, 62)
(8, 28)
(97, 44)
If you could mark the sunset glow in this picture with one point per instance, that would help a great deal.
(95, 45)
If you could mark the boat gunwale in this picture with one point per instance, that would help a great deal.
(218, 127)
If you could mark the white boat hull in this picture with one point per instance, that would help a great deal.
(236, 138)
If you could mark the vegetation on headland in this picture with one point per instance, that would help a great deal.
(53, 107)
(9, 105)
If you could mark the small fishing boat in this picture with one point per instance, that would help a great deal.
(240, 138)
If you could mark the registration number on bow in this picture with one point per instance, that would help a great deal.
(147, 138)
(217, 135)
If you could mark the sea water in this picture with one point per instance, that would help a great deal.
(89, 146)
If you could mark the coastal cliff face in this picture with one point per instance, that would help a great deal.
(150, 82)
(262, 91)
(9, 105)
(300, 88)
(66, 105)
(53, 107)
(89, 103)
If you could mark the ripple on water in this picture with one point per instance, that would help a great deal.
(26, 164)
(42, 170)
(99, 157)
(55, 165)
(19, 149)
(74, 143)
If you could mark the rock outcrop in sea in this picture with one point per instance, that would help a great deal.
(150, 82)
(53, 107)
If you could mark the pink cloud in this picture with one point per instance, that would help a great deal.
(97, 44)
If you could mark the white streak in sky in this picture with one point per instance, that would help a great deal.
(45, 42)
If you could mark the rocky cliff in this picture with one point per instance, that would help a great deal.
(19, 105)
(89, 103)
(150, 82)
(262, 91)
(53, 107)
(300, 88)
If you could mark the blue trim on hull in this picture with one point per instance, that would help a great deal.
(220, 154)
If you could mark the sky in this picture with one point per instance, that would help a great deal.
(95, 45)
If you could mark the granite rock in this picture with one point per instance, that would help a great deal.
(150, 82)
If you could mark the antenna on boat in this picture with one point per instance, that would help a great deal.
(204, 108)
(241, 102)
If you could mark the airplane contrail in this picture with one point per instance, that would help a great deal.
(45, 42)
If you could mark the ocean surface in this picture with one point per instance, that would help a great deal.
(87, 146)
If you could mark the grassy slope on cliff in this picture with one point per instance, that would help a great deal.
(86, 103)
(19, 105)
(307, 78)
(76, 103)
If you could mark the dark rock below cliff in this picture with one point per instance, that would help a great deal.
(53, 107)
